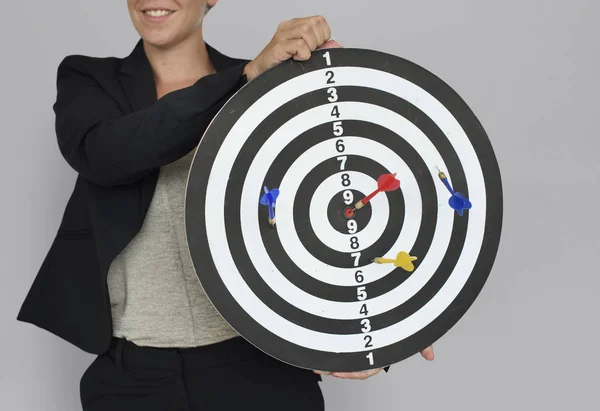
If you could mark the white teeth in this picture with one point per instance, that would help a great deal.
(158, 13)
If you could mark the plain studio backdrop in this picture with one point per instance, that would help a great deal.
(528, 69)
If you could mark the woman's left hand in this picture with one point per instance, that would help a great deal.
(427, 353)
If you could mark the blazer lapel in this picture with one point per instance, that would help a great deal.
(137, 79)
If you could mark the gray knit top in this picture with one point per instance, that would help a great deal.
(156, 297)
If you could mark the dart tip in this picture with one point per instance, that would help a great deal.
(440, 173)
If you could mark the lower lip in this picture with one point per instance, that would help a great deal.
(157, 19)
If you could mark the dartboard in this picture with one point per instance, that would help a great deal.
(343, 213)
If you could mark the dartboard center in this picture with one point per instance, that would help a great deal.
(349, 212)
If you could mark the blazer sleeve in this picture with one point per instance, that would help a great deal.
(109, 147)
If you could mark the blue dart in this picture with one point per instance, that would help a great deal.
(268, 199)
(457, 201)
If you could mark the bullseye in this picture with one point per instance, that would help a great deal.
(349, 212)
(343, 213)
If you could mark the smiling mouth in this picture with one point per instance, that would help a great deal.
(157, 13)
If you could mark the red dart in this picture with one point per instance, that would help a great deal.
(386, 182)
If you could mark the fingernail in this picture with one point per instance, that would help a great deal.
(339, 44)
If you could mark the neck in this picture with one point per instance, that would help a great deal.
(186, 61)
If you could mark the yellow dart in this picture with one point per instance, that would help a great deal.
(403, 260)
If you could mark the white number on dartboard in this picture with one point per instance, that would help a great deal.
(352, 226)
(338, 130)
(333, 94)
(327, 58)
(348, 198)
(356, 258)
(370, 357)
(366, 325)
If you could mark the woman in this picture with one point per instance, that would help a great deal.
(118, 280)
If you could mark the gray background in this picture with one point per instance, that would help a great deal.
(529, 71)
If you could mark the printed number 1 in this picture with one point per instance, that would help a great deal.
(327, 57)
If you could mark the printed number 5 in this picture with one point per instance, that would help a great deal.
(338, 130)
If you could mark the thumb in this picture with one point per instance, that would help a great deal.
(427, 353)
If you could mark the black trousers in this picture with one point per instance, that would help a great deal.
(231, 375)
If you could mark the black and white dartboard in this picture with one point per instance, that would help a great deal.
(343, 213)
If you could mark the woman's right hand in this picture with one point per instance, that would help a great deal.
(296, 38)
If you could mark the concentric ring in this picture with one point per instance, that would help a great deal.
(340, 210)
(319, 268)
(320, 224)
(279, 167)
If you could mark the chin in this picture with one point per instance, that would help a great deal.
(160, 34)
(160, 39)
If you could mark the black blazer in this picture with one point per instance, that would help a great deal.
(116, 135)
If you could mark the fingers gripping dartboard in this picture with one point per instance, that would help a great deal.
(344, 212)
